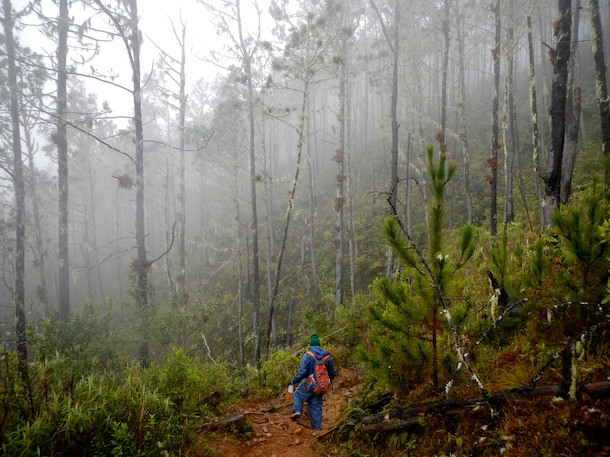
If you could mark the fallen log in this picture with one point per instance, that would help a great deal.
(397, 420)
(237, 421)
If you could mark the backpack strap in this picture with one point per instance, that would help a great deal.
(323, 359)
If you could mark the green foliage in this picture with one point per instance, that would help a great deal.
(407, 329)
(583, 250)
(99, 414)
(85, 341)
(192, 386)
(277, 371)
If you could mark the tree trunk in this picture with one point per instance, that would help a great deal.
(350, 197)
(531, 74)
(340, 179)
(312, 209)
(247, 67)
(93, 206)
(142, 265)
(169, 198)
(61, 139)
(269, 238)
(400, 419)
(447, 37)
(42, 292)
(291, 194)
(561, 56)
(508, 117)
(19, 185)
(181, 279)
(239, 260)
(393, 45)
(572, 113)
(130, 35)
(464, 118)
(601, 86)
(493, 162)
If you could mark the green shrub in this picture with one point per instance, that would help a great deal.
(86, 341)
(192, 386)
(278, 370)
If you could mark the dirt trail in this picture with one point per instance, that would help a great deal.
(275, 435)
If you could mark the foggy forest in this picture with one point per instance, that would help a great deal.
(192, 188)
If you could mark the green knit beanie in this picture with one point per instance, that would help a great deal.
(314, 340)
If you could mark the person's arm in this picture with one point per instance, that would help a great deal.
(304, 370)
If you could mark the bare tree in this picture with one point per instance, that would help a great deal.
(19, 189)
(495, 134)
(462, 108)
(128, 29)
(573, 94)
(61, 139)
(601, 86)
(391, 34)
(508, 116)
(531, 74)
(561, 57)
(175, 70)
(303, 55)
(245, 48)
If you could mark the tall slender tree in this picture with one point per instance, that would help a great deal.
(573, 97)
(508, 115)
(461, 30)
(601, 85)
(495, 133)
(561, 56)
(61, 139)
(391, 34)
(8, 22)
(126, 24)
(246, 45)
(531, 74)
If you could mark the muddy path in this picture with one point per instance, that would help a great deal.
(275, 434)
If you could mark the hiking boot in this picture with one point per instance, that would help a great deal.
(295, 416)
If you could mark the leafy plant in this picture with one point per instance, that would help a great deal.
(277, 371)
(407, 322)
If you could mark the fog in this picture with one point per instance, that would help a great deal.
(321, 101)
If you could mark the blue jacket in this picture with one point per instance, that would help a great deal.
(308, 365)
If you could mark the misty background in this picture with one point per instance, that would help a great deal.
(314, 81)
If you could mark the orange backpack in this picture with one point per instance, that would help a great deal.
(319, 381)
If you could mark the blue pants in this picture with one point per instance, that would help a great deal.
(314, 405)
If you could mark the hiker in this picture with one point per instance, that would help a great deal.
(306, 391)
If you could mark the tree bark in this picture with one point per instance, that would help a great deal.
(463, 117)
(561, 56)
(130, 36)
(393, 45)
(400, 419)
(447, 37)
(247, 66)
(181, 279)
(61, 139)
(531, 74)
(601, 86)
(573, 94)
(493, 162)
(312, 209)
(508, 117)
(19, 188)
(340, 178)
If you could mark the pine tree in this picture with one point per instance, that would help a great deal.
(407, 320)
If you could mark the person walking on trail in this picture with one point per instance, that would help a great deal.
(315, 370)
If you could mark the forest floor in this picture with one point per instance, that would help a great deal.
(274, 434)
